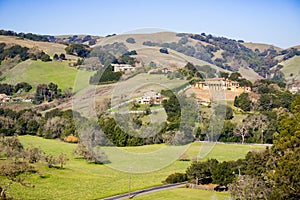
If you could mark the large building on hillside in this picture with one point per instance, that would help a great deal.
(219, 84)
(122, 67)
(211, 89)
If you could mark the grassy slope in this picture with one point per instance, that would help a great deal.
(48, 47)
(249, 74)
(81, 180)
(184, 193)
(261, 47)
(36, 72)
(147, 54)
(291, 66)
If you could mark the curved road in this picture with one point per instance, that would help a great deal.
(145, 191)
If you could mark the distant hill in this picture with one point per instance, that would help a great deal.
(49, 47)
(252, 60)
(261, 47)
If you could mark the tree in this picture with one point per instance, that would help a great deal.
(51, 160)
(130, 40)
(13, 170)
(234, 76)
(62, 160)
(242, 130)
(223, 111)
(55, 57)
(34, 154)
(11, 147)
(243, 101)
(23, 85)
(202, 171)
(45, 57)
(259, 123)
(224, 75)
(223, 174)
(248, 187)
(266, 101)
(80, 50)
(176, 178)
(164, 50)
(62, 56)
(227, 131)
(88, 154)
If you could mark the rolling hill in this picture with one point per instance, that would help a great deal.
(252, 60)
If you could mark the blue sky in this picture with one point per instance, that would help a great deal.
(265, 21)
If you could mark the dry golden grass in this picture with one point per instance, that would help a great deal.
(259, 46)
(48, 47)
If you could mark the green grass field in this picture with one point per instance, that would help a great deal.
(291, 66)
(81, 180)
(185, 193)
(37, 72)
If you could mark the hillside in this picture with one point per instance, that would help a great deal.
(252, 60)
(291, 68)
(36, 72)
(261, 47)
(49, 47)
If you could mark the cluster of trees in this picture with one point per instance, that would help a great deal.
(29, 36)
(181, 118)
(80, 50)
(269, 174)
(131, 130)
(116, 135)
(46, 92)
(271, 95)
(199, 51)
(91, 155)
(105, 75)
(23, 53)
(11, 89)
(126, 59)
(60, 57)
(197, 72)
(235, 53)
(17, 163)
(22, 122)
(79, 40)
(289, 53)
(55, 123)
(59, 124)
(108, 54)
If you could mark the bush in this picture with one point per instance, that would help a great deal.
(130, 40)
(164, 50)
(71, 139)
(176, 178)
(45, 57)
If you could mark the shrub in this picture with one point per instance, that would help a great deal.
(164, 50)
(130, 40)
(71, 139)
(176, 178)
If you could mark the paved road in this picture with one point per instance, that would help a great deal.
(145, 191)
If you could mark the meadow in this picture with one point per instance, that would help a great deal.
(185, 193)
(82, 180)
(37, 72)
